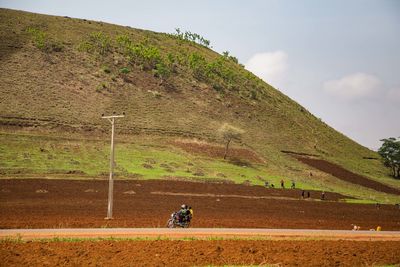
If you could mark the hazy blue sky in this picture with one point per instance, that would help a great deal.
(339, 59)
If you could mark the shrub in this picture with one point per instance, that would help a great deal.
(39, 37)
(178, 34)
(171, 62)
(124, 70)
(146, 56)
(197, 63)
(101, 87)
(162, 71)
(96, 42)
(101, 42)
(106, 69)
(41, 41)
(56, 46)
(215, 68)
(191, 37)
(85, 46)
(141, 54)
(227, 56)
(217, 87)
(124, 42)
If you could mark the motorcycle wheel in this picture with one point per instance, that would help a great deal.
(170, 223)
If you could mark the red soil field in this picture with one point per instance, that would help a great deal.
(40, 203)
(346, 175)
(200, 253)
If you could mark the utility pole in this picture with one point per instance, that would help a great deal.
(111, 119)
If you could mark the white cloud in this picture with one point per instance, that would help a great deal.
(269, 66)
(354, 86)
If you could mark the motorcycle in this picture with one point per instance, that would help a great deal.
(174, 221)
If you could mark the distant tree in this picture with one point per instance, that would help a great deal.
(390, 152)
(228, 134)
(191, 37)
(227, 56)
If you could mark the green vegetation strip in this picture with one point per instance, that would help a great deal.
(20, 239)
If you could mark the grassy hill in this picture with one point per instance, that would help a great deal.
(58, 75)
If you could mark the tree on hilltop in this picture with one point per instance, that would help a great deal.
(390, 152)
(228, 134)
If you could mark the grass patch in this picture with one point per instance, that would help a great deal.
(20, 239)
(359, 201)
(27, 155)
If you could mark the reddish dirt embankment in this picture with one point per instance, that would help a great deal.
(213, 151)
(346, 175)
(69, 203)
(200, 253)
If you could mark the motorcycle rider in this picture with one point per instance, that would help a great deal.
(182, 213)
(181, 218)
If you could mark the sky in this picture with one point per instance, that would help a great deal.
(339, 59)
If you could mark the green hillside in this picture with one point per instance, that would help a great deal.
(58, 75)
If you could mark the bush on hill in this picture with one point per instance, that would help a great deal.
(43, 42)
(191, 37)
(96, 42)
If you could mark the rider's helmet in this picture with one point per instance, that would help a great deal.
(183, 206)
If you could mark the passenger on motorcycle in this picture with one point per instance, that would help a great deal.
(190, 212)
(184, 214)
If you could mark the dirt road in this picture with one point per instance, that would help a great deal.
(201, 233)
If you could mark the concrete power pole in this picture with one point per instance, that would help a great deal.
(111, 181)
